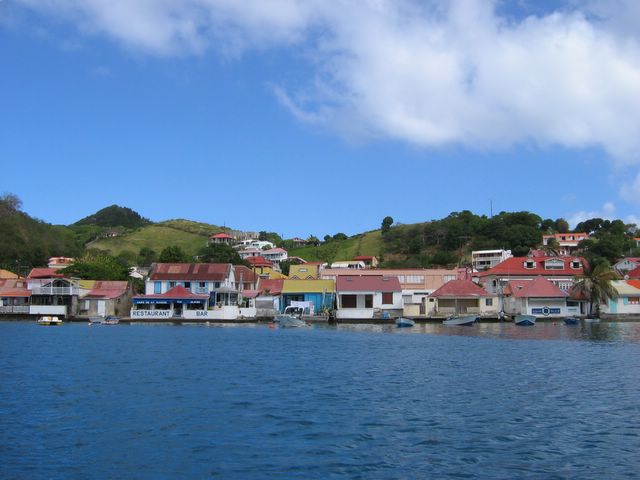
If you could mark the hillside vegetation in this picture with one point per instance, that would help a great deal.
(115, 216)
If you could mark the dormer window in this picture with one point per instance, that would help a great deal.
(576, 264)
(554, 264)
(529, 264)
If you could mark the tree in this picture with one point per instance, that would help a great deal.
(552, 248)
(386, 224)
(595, 284)
(285, 266)
(146, 256)
(340, 236)
(313, 240)
(97, 265)
(220, 253)
(561, 225)
(173, 254)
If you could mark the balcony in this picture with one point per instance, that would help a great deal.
(55, 291)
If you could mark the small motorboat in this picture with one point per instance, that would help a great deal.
(110, 320)
(461, 321)
(49, 320)
(291, 318)
(95, 320)
(571, 321)
(524, 320)
(404, 322)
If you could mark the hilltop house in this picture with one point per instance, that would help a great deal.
(223, 238)
(567, 242)
(368, 297)
(486, 259)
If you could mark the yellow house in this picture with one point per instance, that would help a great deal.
(305, 271)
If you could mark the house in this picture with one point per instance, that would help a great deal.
(462, 297)
(486, 259)
(350, 264)
(223, 238)
(275, 255)
(241, 236)
(539, 297)
(106, 298)
(268, 299)
(416, 283)
(60, 262)
(4, 274)
(368, 297)
(14, 296)
(369, 261)
(633, 274)
(256, 245)
(626, 265)
(221, 283)
(628, 301)
(306, 271)
(52, 293)
(567, 242)
(260, 265)
(561, 271)
(250, 252)
(321, 294)
(298, 242)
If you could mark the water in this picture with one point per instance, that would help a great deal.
(162, 401)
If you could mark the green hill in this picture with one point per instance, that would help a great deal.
(189, 236)
(115, 216)
(369, 243)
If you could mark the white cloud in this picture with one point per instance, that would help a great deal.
(606, 212)
(427, 73)
(630, 191)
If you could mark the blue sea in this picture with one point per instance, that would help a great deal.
(361, 402)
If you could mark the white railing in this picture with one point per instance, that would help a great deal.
(15, 309)
(55, 290)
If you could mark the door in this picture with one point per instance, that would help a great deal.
(102, 308)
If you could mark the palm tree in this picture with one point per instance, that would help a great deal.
(595, 284)
(552, 248)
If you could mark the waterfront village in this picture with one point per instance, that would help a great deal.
(496, 286)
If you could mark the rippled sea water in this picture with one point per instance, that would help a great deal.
(250, 402)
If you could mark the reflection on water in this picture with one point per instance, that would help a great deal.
(620, 332)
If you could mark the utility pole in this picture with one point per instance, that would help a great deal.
(490, 207)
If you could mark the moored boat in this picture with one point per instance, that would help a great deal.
(571, 321)
(461, 320)
(292, 317)
(110, 320)
(404, 322)
(49, 320)
(524, 320)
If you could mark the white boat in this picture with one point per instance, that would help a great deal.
(404, 322)
(110, 320)
(95, 320)
(49, 320)
(524, 320)
(292, 317)
(461, 320)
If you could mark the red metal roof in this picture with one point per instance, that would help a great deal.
(248, 275)
(108, 289)
(221, 235)
(370, 283)
(635, 273)
(460, 289)
(516, 266)
(259, 261)
(539, 287)
(190, 271)
(177, 292)
(634, 283)
(45, 273)
(274, 285)
(363, 257)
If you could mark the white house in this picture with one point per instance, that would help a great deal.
(539, 297)
(363, 297)
(628, 301)
(486, 259)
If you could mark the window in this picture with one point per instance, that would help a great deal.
(203, 284)
(217, 285)
(554, 265)
(575, 264)
(387, 298)
(634, 300)
(488, 302)
(157, 287)
(187, 285)
(172, 284)
(348, 301)
(368, 301)
(448, 278)
(529, 264)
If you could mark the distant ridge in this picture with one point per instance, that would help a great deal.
(115, 216)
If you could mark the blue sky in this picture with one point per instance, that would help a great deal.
(320, 117)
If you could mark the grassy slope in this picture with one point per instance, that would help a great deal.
(188, 235)
(369, 243)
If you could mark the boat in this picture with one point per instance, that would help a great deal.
(461, 320)
(404, 322)
(95, 320)
(49, 320)
(291, 318)
(524, 320)
(571, 321)
(110, 320)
